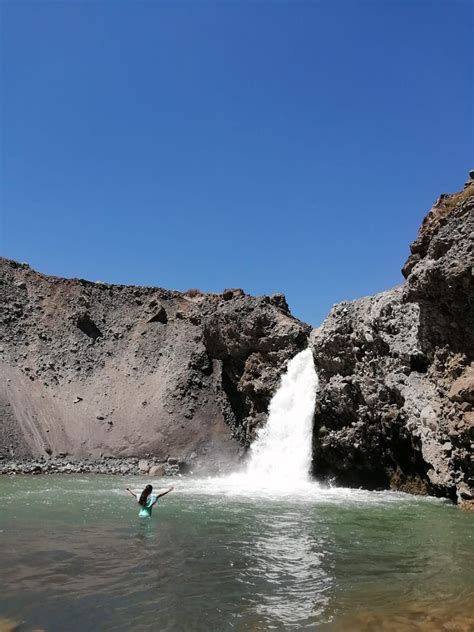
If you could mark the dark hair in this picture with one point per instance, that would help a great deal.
(144, 495)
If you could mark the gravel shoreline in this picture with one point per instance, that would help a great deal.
(125, 466)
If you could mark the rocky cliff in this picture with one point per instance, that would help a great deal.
(96, 370)
(396, 371)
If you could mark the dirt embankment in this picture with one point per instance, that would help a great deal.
(91, 370)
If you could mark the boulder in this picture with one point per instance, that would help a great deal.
(157, 470)
(462, 389)
(143, 466)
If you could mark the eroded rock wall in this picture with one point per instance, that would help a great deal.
(395, 406)
(90, 369)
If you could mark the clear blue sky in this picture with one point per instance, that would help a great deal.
(274, 146)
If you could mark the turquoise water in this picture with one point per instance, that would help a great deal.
(75, 556)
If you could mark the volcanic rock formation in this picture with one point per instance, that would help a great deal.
(92, 370)
(395, 406)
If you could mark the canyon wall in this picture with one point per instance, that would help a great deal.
(91, 370)
(396, 371)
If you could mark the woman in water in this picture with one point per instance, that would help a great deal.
(146, 500)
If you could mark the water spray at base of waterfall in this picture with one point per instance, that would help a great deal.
(280, 457)
(281, 453)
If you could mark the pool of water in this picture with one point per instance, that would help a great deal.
(219, 555)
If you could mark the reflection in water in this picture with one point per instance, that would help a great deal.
(294, 566)
(145, 532)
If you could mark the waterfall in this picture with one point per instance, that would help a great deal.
(281, 453)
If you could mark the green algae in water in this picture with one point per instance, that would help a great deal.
(75, 556)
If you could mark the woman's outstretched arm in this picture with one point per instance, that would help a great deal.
(163, 493)
(130, 492)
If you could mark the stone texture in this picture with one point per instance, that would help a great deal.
(92, 370)
(157, 470)
(144, 466)
(396, 369)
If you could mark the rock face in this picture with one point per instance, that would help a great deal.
(395, 407)
(90, 370)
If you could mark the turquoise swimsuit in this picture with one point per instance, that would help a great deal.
(145, 512)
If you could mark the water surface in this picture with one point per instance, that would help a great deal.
(219, 556)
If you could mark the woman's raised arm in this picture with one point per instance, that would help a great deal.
(163, 493)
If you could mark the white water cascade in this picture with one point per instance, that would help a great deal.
(281, 453)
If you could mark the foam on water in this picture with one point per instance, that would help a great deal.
(238, 487)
